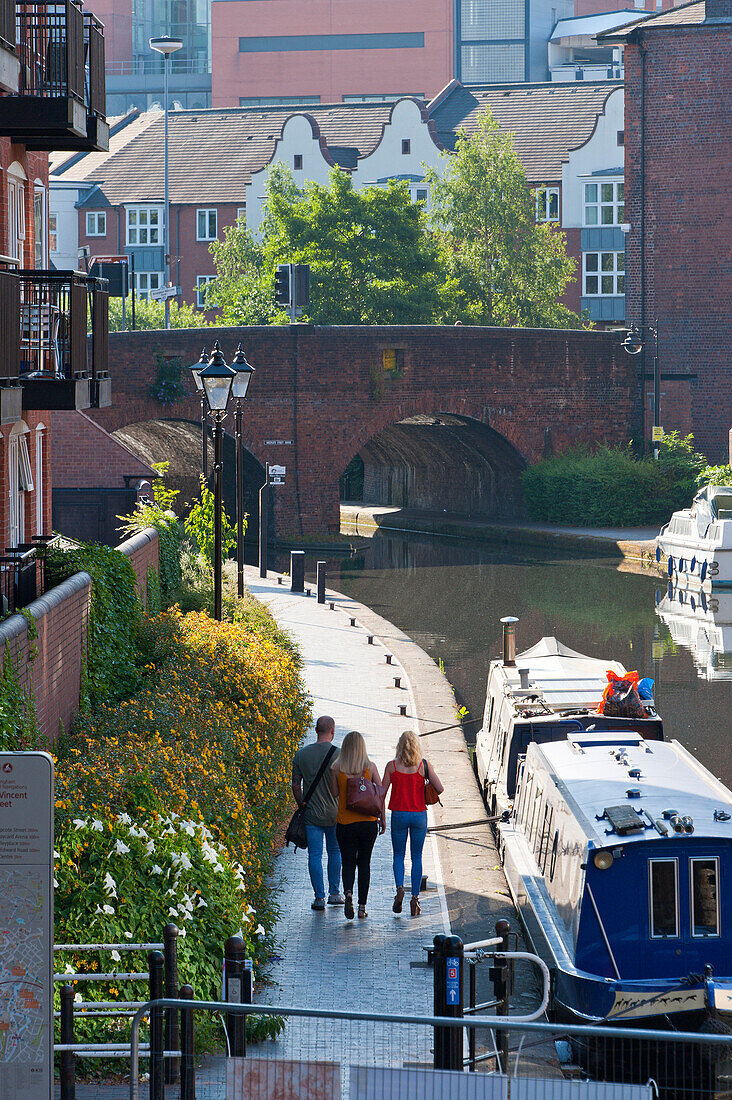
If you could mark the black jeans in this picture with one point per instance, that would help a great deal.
(356, 843)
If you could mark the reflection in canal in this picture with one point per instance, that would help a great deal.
(449, 596)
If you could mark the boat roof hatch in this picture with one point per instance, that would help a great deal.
(623, 820)
(585, 739)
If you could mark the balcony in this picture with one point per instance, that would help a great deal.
(59, 103)
(9, 64)
(63, 322)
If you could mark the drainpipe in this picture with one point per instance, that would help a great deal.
(177, 253)
(642, 227)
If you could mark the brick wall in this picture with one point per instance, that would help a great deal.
(682, 198)
(321, 393)
(61, 619)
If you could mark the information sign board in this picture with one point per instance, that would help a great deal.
(452, 983)
(26, 925)
(277, 475)
(163, 292)
(657, 434)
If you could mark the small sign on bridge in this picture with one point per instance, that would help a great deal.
(164, 292)
(277, 475)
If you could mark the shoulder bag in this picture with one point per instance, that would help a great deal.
(430, 794)
(363, 796)
(295, 833)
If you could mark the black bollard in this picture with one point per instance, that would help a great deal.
(156, 962)
(454, 967)
(438, 964)
(501, 988)
(320, 577)
(67, 1068)
(172, 1028)
(188, 1059)
(233, 969)
(297, 571)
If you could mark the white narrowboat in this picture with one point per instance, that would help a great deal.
(697, 541)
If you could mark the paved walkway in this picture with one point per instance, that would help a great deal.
(328, 962)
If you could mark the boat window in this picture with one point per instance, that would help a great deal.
(664, 897)
(546, 832)
(526, 785)
(704, 897)
(553, 860)
(490, 713)
(538, 803)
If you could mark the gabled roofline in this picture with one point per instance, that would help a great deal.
(622, 35)
(597, 121)
(424, 112)
(316, 134)
(446, 92)
(121, 124)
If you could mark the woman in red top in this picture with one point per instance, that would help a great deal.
(406, 775)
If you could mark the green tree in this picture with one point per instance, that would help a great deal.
(502, 268)
(371, 258)
(151, 315)
(199, 526)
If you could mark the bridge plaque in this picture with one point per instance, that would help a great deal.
(26, 925)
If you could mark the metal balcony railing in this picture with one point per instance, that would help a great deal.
(50, 35)
(18, 578)
(7, 25)
(57, 311)
(95, 87)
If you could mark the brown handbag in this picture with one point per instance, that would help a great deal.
(430, 794)
(363, 796)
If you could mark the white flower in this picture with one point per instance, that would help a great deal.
(139, 832)
(97, 826)
(124, 819)
(127, 935)
(250, 910)
(55, 884)
(77, 998)
(68, 969)
(169, 831)
(79, 823)
(172, 912)
(185, 862)
(259, 930)
(188, 827)
(150, 847)
(186, 915)
(157, 869)
(241, 886)
(120, 847)
(116, 956)
(56, 855)
(108, 910)
(110, 886)
(182, 932)
(202, 904)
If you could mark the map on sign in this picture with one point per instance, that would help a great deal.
(26, 924)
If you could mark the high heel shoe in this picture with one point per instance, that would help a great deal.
(397, 906)
(362, 914)
(415, 906)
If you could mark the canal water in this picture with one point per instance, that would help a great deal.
(450, 595)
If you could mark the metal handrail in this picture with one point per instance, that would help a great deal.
(498, 1023)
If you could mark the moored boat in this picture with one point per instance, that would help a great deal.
(697, 541)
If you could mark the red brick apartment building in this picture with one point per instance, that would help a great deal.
(678, 152)
(53, 323)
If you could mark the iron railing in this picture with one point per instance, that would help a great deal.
(9, 325)
(50, 34)
(56, 310)
(18, 578)
(144, 67)
(95, 87)
(7, 25)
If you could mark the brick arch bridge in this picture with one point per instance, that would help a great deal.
(322, 395)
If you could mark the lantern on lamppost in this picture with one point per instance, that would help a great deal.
(244, 372)
(217, 379)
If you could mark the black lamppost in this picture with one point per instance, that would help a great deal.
(196, 369)
(244, 372)
(217, 379)
(633, 344)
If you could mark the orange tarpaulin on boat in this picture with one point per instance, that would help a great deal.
(622, 696)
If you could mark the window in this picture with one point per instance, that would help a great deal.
(603, 273)
(53, 232)
(277, 100)
(16, 213)
(379, 98)
(704, 897)
(202, 282)
(40, 530)
(241, 213)
(547, 204)
(144, 225)
(663, 888)
(406, 147)
(621, 137)
(96, 223)
(20, 481)
(604, 203)
(146, 281)
(39, 226)
(420, 195)
(206, 225)
(297, 162)
(553, 860)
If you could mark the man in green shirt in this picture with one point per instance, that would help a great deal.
(320, 812)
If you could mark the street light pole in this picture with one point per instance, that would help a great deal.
(633, 344)
(217, 379)
(166, 46)
(244, 372)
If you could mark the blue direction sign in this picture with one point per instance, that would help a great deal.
(453, 980)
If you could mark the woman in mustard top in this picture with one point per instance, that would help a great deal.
(356, 832)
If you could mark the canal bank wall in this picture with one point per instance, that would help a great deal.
(636, 547)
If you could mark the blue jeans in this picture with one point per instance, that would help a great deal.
(414, 825)
(316, 835)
